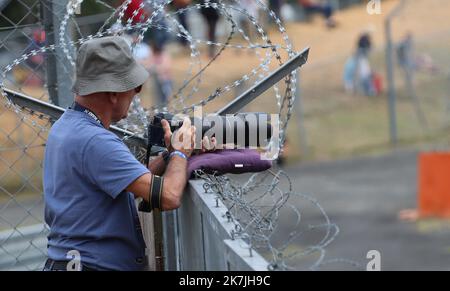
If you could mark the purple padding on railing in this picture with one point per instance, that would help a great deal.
(228, 162)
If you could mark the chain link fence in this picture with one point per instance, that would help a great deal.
(22, 230)
(27, 26)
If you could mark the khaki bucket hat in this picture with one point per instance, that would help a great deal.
(107, 65)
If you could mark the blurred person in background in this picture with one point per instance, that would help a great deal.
(160, 66)
(32, 72)
(364, 43)
(358, 74)
(158, 62)
(410, 64)
(405, 52)
(409, 61)
(138, 11)
(406, 60)
(365, 75)
(349, 76)
(251, 8)
(211, 16)
(37, 42)
(182, 17)
(275, 6)
(327, 11)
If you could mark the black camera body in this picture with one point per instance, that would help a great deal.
(242, 130)
(156, 131)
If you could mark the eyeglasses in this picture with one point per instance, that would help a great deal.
(138, 89)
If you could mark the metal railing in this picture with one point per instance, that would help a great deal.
(199, 236)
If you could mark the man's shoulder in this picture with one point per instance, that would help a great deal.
(76, 127)
(81, 123)
(103, 137)
(105, 140)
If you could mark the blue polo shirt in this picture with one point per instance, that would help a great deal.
(86, 169)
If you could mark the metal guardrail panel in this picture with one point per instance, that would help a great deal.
(205, 235)
(240, 258)
(190, 235)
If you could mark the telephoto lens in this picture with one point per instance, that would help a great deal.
(243, 130)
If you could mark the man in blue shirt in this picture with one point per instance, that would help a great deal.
(91, 178)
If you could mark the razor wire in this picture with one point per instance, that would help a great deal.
(255, 208)
(255, 223)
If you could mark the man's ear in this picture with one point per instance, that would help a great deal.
(113, 97)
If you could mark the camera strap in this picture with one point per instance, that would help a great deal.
(145, 206)
(77, 107)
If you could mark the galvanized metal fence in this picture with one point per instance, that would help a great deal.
(201, 236)
(22, 230)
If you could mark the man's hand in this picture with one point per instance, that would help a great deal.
(208, 145)
(182, 140)
(167, 134)
(175, 176)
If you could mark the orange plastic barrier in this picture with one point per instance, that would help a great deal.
(434, 184)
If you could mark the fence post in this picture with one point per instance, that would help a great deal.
(299, 110)
(59, 69)
(390, 72)
(391, 84)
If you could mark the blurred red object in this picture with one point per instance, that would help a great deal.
(434, 185)
(377, 80)
(141, 14)
(39, 35)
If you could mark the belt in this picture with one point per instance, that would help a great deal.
(53, 265)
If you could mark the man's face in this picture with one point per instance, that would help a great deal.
(121, 108)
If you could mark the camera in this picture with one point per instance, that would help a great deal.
(242, 130)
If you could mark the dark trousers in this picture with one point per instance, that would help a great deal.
(52, 265)
(182, 18)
